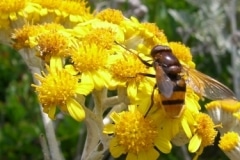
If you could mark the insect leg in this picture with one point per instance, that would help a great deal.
(152, 101)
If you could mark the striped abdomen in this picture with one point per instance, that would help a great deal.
(174, 105)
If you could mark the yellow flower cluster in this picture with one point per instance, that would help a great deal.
(80, 53)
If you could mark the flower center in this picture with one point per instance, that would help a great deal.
(52, 44)
(135, 133)
(229, 141)
(128, 69)
(53, 89)
(104, 37)
(205, 129)
(7, 6)
(89, 58)
(111, 15)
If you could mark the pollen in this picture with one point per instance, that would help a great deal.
(89, 58)
(53, 90)
(128, 68)
(52, 44)
(205, 129)
(181, 52)
(111, 15)
(134, 132)
(229, 141)
(104, 37)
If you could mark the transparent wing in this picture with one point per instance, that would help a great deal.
(207, 86)
(164, 83)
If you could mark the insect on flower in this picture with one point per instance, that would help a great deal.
(172, 78)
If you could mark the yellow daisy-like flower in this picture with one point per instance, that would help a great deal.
(111, 15)
(59, 88)
(222, 112)
(204, 134)
(53, 44)
(25, 37)
(90, 60)
(45, 11)
(77, 10)
(230, 145)
(142, 36)
(182, 52)
(126, 69)
(104, 37)
(135, 135)
(10, 10)
(21, 35)
(58, 11)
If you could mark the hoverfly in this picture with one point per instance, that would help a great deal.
(172, 85)
(171, 82)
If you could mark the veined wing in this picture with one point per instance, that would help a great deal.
(164, 83)
(207, 86)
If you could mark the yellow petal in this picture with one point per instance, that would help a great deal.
(115, 149)
(132, 91)
(75, 110)
(132, 156)
(132, 108)
(51, 112)
(163, 144)
(151, 154)
(194, 143)
(56, 63)
(98, 80)
(186, 128)
(109, 129)
(13, 16)
(71, 69)
(84, 88)
(115, 117)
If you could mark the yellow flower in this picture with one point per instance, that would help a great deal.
(135, 135)
(182, 52)
(111, 15)
(90, 59)
(222, 112)
(53, 44)
(21, 35)
(59, 88)
(103, 37)
(204, 134)
(142, 36)
(25, 37)
(126, 68)
(67, 12)
(10, 10)
(230, 144)
(76, 10)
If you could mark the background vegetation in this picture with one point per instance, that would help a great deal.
(209, 28)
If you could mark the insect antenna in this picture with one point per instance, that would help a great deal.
(143, 61)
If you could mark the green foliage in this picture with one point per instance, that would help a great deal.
(20, 123)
